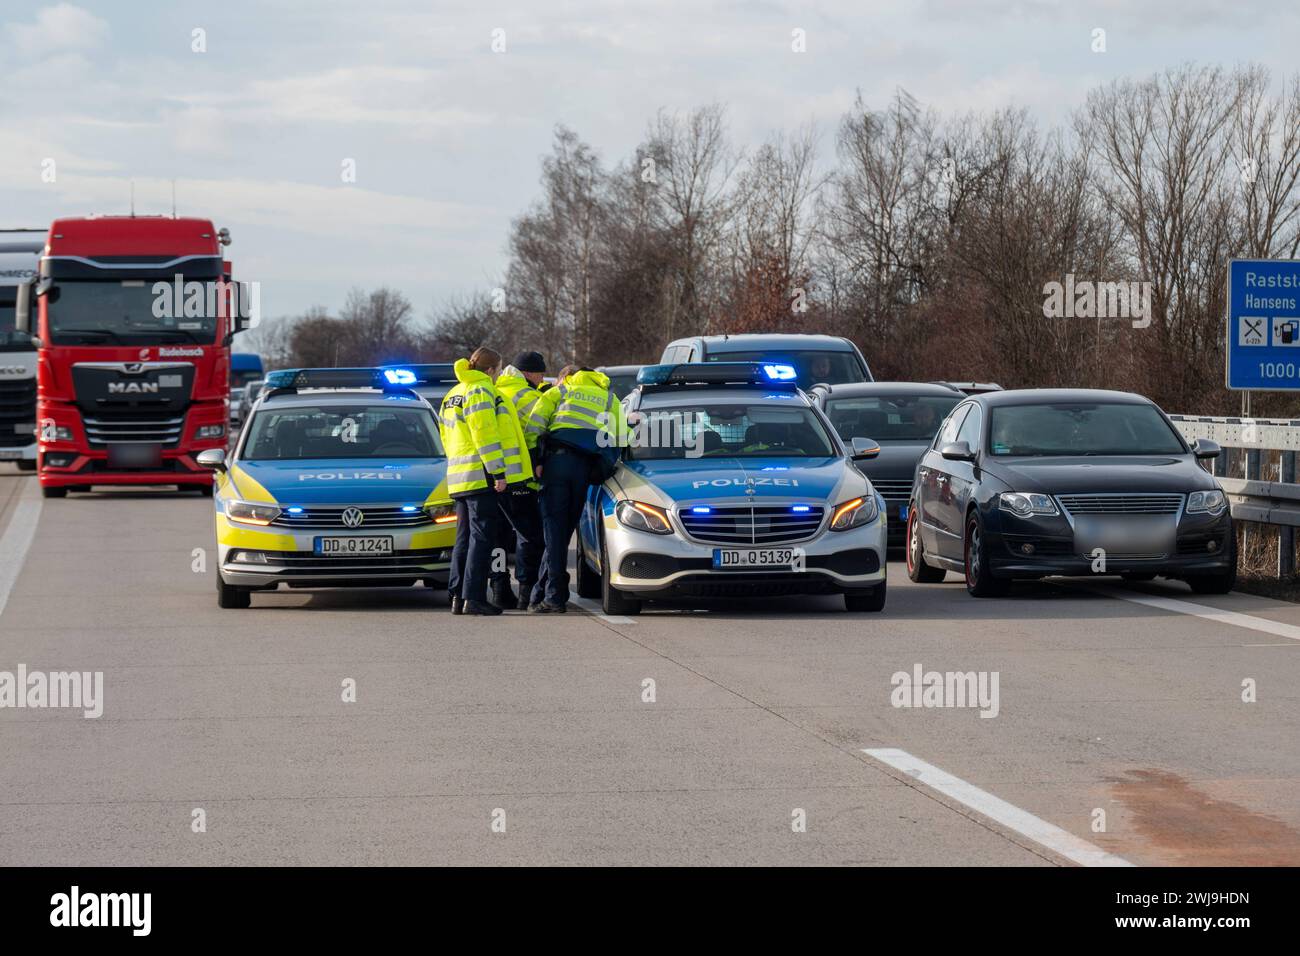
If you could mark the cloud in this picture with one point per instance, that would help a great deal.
(57, 29)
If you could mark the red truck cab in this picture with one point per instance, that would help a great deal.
(133, 318)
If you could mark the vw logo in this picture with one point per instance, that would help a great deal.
(352, 517)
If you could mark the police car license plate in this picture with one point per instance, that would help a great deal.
(359, 544)
(753, 558)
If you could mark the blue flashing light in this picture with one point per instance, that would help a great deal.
(409, 508)
(701, 510)
(294, 510)
(654, 374)
(800, 509)
(780, 373)
(399, 376)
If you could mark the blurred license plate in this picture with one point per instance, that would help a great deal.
(753, 558)
(7, 454)
(372, 544)
(134, 455)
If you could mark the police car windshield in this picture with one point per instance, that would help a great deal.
(740, 430)
(1081, 429)
(811, 366)
(341, 431)
(890, 417)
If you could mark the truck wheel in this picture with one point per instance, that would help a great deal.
(873, 600)
(51, 492)
(917, 569)
(205, 491)
(25, 465)
(229, 596)
(588, 582)
(980, 581)
(612, 600)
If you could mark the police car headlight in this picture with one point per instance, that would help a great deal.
(251, 512)
(1025, 504)
(441, 514)
(854, 513)
(640, 516)
(1206, 502)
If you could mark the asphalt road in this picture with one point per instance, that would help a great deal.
(760, 709)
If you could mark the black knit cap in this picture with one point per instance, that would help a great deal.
(530, 362)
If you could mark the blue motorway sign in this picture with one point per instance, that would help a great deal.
(1264, 324)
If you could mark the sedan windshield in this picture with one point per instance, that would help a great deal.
(890, 417)
(811, 367)
(341, 431)
(731, 430)
(1082, 429)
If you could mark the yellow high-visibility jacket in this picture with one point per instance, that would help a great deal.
(587, 414)
(481, 435)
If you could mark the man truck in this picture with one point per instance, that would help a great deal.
(132, 318)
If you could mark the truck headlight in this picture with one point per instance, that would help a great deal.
(1026, 504)
(210, 431)
(854, 513)
(441, 514)
(251, 512)
(640, 516)
(1206, 502)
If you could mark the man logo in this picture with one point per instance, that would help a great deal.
(352, 517)
(133, 368)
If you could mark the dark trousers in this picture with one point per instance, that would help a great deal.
(564, 492)
(523, 518)
(478, 519)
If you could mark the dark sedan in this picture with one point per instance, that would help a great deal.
(1024, 484)
(902, 418)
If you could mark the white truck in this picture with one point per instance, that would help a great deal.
(20, 251)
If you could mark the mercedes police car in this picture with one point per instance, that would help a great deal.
(337, 480)
(732, 483)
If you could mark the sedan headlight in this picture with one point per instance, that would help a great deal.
(441, 514)
(251, 512)
(854, 513)
(1026, 504)
(1206, 502)
(640, 516)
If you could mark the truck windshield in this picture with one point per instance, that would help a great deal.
(131, 312)
(811, 366)
(11, 340)
(341, 431)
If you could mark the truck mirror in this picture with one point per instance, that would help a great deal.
(23, 308)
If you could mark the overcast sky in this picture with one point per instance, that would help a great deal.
(447, 135)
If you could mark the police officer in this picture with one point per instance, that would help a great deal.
(485, 454)
(520, 383)
(586, 425)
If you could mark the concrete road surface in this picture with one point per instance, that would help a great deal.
(767, 736)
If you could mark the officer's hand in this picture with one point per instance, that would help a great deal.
(537, 472)
(500, 486)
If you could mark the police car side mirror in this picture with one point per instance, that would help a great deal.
(864, 448)
(957, 451)
(214, 458)
(1204, 449)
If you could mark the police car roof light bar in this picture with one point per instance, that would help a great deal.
(286, 380)
(423, 374)
(736, 374)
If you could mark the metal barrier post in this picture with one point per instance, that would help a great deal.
(1252, 465)
(1285, 533)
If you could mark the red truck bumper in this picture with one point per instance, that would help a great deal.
(88, 469)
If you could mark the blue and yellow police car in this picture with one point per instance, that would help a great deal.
(732, 483)
(337, 480)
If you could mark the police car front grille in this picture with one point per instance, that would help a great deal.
(893, 489)
(763, 524)
(331, 519)
(129, 429)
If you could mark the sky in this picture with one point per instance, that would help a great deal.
(445, 135)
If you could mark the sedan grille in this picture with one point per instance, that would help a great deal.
(765, 524)
(1121, 504)
(893, 489)
(331, 519)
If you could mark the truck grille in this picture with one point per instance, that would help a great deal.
(1121, 504)
(760, 524)
(893, 490)
(331, 519)
(131, 427)
(17, 412)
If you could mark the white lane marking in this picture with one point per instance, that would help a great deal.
(594, 609)
(1209, 613)
(998, 810)
(18, 538)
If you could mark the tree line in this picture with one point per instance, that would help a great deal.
(929, 240)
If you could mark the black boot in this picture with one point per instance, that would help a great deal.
(478, 607)
(457, 605)
(501, 594)
(525, 601)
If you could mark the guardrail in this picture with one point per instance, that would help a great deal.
(1251, 497)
